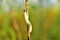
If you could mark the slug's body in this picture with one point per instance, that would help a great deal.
(29, 26)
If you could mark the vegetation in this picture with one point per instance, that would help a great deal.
(45, 22)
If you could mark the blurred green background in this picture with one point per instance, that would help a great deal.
(44, 16)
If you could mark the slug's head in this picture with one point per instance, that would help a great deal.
(24, 10)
